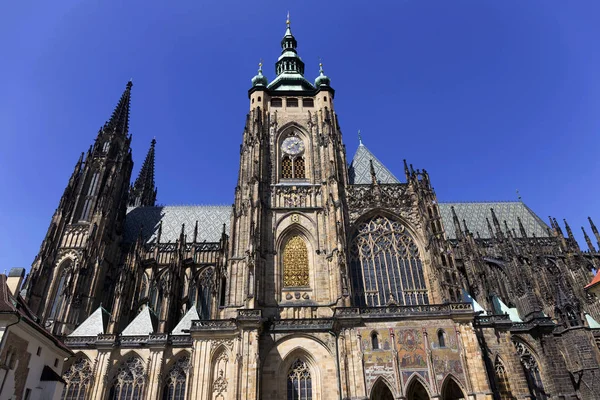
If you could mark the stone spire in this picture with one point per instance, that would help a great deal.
(143, 192)
(119, 121)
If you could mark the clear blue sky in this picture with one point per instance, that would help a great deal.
(488, 96)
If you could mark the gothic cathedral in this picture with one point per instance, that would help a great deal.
(325, 279)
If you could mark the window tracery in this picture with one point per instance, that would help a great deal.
(532, 371)
(385, 265)
(286, 168)
(78, 379)
(295, 263)
(299, 384)
(502, 380)
(176, 380)
(130, 381)
(200, 293)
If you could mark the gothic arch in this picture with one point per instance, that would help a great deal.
(386, 263)
(176, 381)
(295, 233)
(296, 359)
(417, 388)
(128, 378)
(78, 378)
(531, 367)
(502, 379)
(61, 282)
(382, 390)
(201, 291)
(452, 389)
(221, 373)
(294, 129)
(280, 358)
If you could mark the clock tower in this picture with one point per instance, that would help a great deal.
(288, 247)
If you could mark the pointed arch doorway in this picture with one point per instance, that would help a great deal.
(451, 390)
(416, 391)
(381, 391)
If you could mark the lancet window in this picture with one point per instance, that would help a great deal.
(299, 384)
(385, 265)
(91, 192)
(176, 380)
(200, 293)
(502, 381)
(78, 380)
(532, 371)
(295, 263)
(130, 381)
(61, 289)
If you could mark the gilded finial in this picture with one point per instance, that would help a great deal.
(519, 195)
(287, 21)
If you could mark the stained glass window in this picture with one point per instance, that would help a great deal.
(385, 265)
(176, 380)
(299, 168)
(130, 381)
(286, 168)
(532, 371)
(299, 384)
(295, 263)
(200, 293)
(77, 380)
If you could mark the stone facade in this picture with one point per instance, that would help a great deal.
(321, 282)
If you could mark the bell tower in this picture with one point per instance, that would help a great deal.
(288, 247)
(70, 275)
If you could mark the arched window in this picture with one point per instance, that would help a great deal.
(105, 147)
(89, 198)
(155, 298)
(532, 371)
(286, 168)
(59, 294)
(130, 381)
(176, 380)
(295, 263)
(77, 380)
(502, 381)
(299, 171)
(374, 341)
(299, 384)
(385, 265)
(200, 294)
(441, 338)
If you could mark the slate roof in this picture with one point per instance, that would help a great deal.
(210, 222)
(95, 324)
(475, 215)
(186, 322)
(143, 324)
(359, 172)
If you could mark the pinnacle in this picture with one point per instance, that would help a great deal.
(119, 121)
(143, 192)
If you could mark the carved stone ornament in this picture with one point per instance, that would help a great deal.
(362, 198)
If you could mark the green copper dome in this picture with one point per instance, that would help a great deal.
(259, 79)
(322, 79)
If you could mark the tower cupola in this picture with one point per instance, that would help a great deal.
(322, 79)
(259, 79)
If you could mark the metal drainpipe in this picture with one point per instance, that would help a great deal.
(337, 363)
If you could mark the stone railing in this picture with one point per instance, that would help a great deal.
(493, 320)
(81, 341)
(402, 311)
(249, 314)
(213, 325)
(295, 325)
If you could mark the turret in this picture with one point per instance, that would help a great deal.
(143, 191)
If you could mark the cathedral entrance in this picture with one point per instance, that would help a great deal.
(381, 391)
(416, 391)
(451, 391)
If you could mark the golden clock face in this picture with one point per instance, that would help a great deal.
(292, 145)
